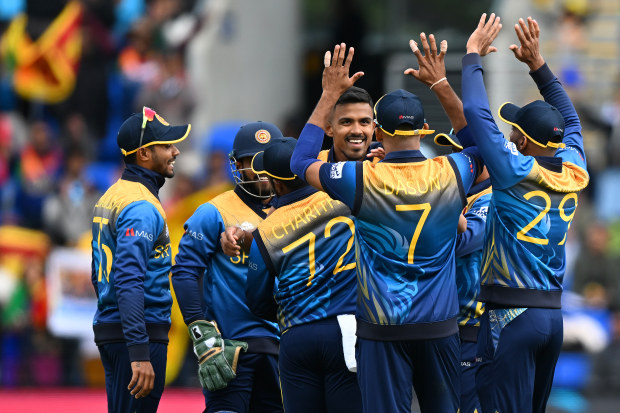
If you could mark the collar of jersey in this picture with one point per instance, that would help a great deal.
(294, 196)
(150, 179)
(550, 162)
(404, 156)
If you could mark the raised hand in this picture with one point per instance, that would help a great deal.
(336, 78)
(481, 39)
(529, 37)
(432, 68)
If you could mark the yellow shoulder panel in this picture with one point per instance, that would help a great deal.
(571, 179)
(235, 212)
(123, 193)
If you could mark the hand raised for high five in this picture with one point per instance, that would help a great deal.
(336, 78)
(481, 39)
(529, 37)
(432, 67)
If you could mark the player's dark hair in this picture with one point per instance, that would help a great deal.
(355, 95)
(130, 159)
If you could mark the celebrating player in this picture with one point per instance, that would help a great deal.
(468, 249)
(407, 298)
(232, 381)
(131, 262)
(536, 176)
(306, 243)
(351, 127)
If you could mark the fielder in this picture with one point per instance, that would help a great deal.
(131, 262)
(536, 176)
(238, 376)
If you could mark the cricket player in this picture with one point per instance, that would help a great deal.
(246, 379)
(305, 250)
(536, 176)
(407, 209)
(130, 266)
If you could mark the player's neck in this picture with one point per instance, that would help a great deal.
(401, 143)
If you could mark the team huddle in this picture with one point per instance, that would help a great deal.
(338, 280)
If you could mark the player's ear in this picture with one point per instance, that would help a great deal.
(522, 143)
(329, 131)
(143, 154)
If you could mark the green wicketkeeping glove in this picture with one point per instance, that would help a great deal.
(217, 358)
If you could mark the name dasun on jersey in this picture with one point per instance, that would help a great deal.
(418, 186)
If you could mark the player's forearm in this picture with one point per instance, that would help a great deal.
(186, 289)
(320, 114)
(130, 299)
(307, 149)
(553, 93)
(451, 104)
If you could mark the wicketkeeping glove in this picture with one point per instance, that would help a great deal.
(217, 358)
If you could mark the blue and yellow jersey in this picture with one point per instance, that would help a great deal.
(534, 199)
(407, 209)
(131, 262)
(307, 244)
(223, 278)
(468, 250)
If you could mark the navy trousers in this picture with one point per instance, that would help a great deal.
(256, 389)
(518, 359)
(115, 359)
(469, 366)
(313, 373)
(387, 369)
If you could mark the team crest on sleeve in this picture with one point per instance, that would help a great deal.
(262, 136)
(336, 171)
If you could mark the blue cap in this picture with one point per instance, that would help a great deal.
(540, 122)
(252, 138)
(276, 159)
(399, 108)
(148, 128)
(448, 139)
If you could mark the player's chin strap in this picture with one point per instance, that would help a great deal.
(241, 182)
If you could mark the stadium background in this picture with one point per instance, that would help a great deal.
(71, 72)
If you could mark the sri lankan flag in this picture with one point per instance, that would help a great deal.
(45, 69)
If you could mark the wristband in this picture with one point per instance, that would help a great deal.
(439, 81)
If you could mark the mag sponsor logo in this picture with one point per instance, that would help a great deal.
(132, 232)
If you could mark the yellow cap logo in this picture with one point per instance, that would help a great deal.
(262, 136)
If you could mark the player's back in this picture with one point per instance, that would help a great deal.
(524, 258)
(405, 232)
(308, 246)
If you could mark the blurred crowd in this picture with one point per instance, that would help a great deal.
(57, 157)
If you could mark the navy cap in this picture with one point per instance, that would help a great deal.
(276, 159)
(540, 122)
(448, 139)
(252, 138)
(400, 108)
(148, 128)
